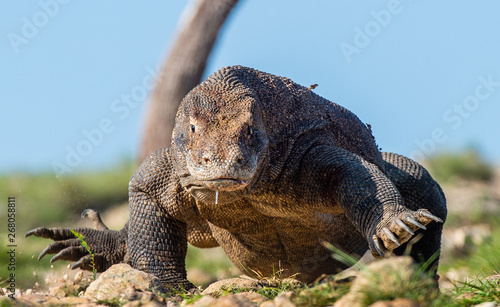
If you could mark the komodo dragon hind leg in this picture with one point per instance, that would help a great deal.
(419, 190)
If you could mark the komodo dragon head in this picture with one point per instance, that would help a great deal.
(220, 140)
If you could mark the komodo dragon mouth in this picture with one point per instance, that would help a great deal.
(225, 184)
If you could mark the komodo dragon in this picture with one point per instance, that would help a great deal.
(269, 171)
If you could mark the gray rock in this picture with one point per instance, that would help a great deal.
(252, 297)
(122, 283)
(284, 299)
(237, 283)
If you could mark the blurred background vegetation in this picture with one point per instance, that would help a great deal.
(467, 165)
(471, 237)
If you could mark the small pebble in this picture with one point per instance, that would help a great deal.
(78, 277)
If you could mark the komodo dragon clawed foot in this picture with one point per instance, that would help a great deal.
(400, 230)
(109, 246)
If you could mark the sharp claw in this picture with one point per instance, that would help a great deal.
(429, 215)
(391, 236)
(29, 233)
(412, 220)
(404, 226)
(43, 253)
(84, 213)
(77, 264)
(377, 246)
(55, 258)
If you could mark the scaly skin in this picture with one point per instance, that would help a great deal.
(268, 170)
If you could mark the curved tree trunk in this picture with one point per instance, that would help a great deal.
(182, 70)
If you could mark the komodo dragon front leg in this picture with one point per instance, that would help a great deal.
(367, 196)
(157, 236)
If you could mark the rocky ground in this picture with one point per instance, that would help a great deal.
(122, 285)
(469, 203)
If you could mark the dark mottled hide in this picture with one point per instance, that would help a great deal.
(269, 171)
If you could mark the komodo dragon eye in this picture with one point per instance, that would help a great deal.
(193, 129)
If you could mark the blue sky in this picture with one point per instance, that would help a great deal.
(424, 74)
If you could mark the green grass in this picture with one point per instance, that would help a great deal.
(44, 199)
(476, 292)
(91, 253)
